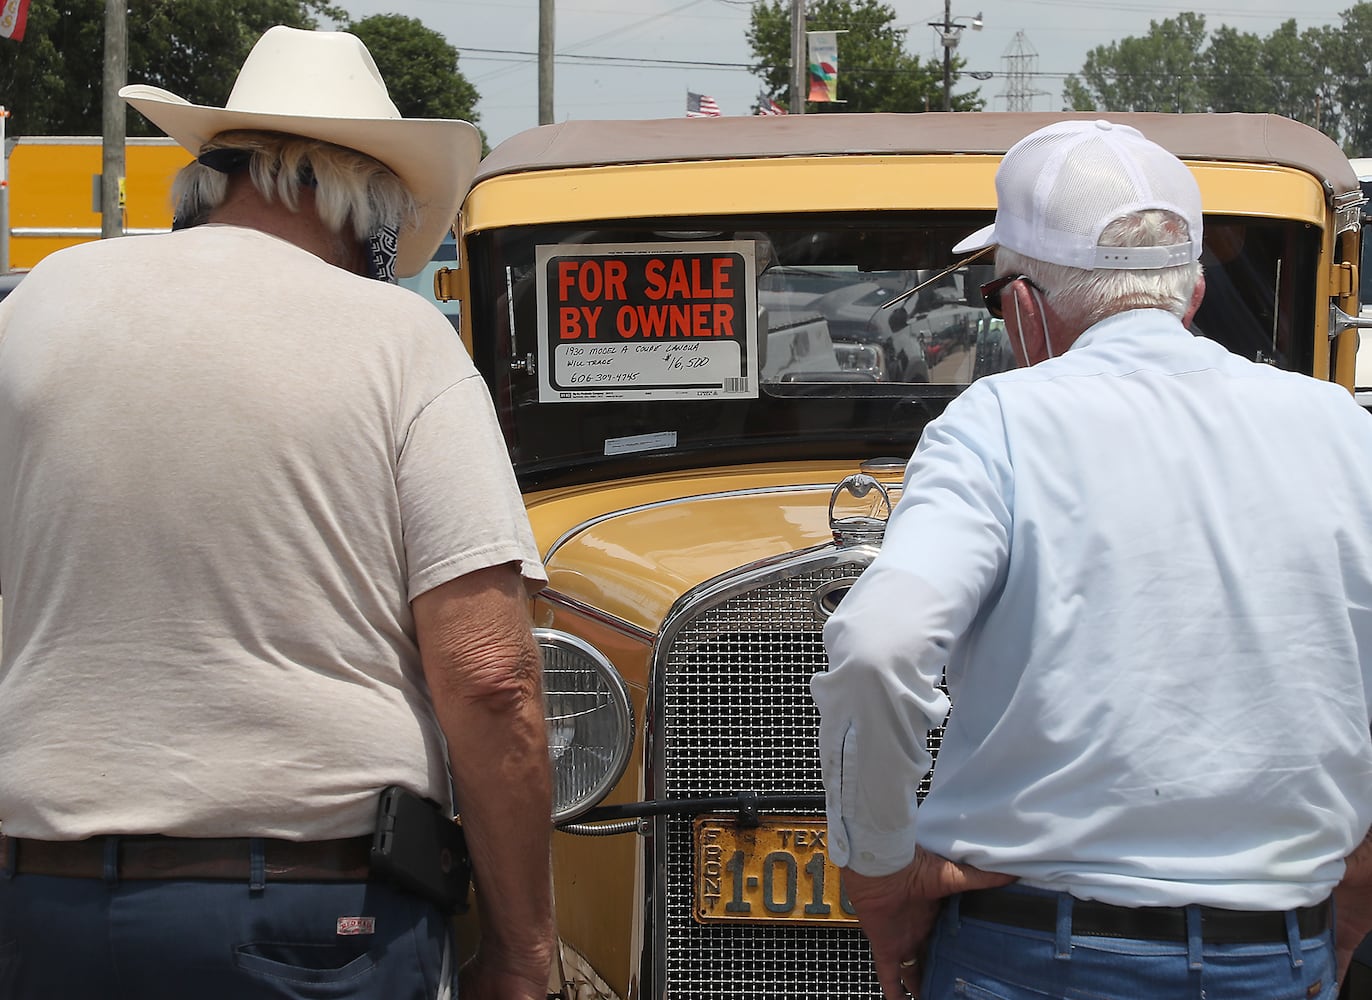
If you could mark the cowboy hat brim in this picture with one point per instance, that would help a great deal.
(435, 158)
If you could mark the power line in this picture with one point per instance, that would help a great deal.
(629, 60)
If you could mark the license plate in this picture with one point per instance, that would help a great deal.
(778, 870)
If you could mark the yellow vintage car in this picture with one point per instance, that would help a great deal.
(712, 344)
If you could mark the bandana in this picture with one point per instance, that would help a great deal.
(381, 251)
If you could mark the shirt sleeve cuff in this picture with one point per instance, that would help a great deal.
(868, 852)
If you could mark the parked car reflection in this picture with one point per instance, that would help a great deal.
(840, 319)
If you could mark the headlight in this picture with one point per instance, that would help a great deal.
(590, 722)
(866, 358)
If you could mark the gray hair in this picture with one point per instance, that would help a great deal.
(1086, 297)
(352, 190)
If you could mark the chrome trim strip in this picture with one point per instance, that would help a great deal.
(567, 535)
(595, 614)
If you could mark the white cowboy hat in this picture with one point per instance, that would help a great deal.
(324, 85)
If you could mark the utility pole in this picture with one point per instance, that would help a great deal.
(546, 16)
(800, 59)
(112, 114)
(947, 55)
(949, 32)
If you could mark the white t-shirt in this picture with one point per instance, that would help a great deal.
(226, 467)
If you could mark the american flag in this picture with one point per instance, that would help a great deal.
(767, 106)
(701, 106)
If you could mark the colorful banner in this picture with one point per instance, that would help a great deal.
(823, 65)
(14, 15)
(701, 106)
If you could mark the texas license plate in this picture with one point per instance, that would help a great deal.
(778, 870)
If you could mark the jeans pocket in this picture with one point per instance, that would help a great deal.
(971, 991)
(991, 989)
(315, 970)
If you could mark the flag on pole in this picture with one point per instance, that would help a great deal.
(701, 106)
(823, 65)
(767, 106)
(14, 15)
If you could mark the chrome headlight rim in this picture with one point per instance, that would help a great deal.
(618, 691)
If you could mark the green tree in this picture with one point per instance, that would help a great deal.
(419, 67)
(1314, 76)
(51, 81)
(1234, 70)
(875, 73)
(1161, 71)
(1348, 54)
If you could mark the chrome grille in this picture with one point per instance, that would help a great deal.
(737, 716)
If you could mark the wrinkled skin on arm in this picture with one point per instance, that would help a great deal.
(485, 677)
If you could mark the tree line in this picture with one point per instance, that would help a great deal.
(51, 82)
(1320, 76)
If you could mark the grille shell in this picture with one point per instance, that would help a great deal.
(732, 712)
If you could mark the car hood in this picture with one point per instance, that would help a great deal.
(633, 561)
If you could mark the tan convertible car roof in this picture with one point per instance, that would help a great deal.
(1226, 137)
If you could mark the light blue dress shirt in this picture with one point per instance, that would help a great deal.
(1147, 567)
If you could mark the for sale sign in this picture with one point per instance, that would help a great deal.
(647, 321)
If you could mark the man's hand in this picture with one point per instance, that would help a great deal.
(486, 980)
(1353, 922)
(897, 912)
(1353, 905)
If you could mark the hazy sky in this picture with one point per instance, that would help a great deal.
(638, 58)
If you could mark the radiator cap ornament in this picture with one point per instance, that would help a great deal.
(859, 529)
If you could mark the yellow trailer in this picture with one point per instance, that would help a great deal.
(54, 191)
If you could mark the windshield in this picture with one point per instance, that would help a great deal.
(618, 348)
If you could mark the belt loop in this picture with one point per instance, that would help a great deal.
(1062, 936)
(11, 855)
(952, 913)
(1193, 937)
(257, 865)
(111, 845)
(1293, 939)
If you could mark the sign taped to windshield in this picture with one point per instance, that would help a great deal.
(647, 321)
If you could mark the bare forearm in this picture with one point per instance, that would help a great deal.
(485, 678)
(505, 801)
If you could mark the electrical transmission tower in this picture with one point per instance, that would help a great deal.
(1021, 61)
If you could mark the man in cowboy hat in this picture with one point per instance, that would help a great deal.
(263, 556)
(1144, 566)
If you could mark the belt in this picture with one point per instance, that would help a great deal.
(1147, 923)
(217, 858)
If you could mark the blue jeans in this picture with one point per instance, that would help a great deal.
(979, 960)
(86, 939)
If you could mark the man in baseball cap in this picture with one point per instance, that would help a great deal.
(266, 568)
(1143, 565)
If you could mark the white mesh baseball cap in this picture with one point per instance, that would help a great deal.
(1058, 188)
